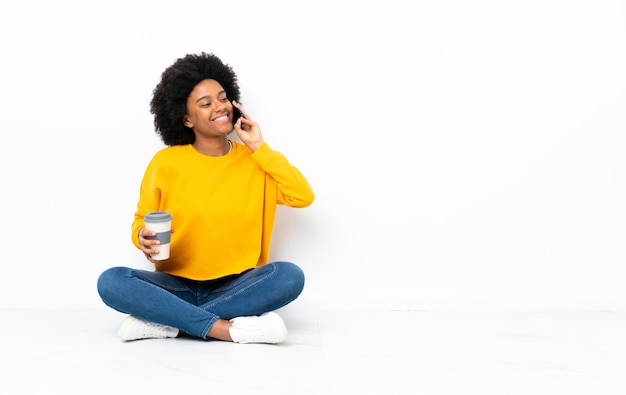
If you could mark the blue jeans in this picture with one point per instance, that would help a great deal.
(194, 306)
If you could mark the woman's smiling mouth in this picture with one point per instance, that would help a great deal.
(220, 118)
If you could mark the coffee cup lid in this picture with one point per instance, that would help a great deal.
(157, 216)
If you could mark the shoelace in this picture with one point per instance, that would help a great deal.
(153, 329)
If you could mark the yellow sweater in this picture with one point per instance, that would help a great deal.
(223, 208)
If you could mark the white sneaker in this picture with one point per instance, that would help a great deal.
(134, 329)
(266, 328)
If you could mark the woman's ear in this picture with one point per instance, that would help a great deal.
(187, 123)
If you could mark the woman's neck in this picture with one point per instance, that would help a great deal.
(213, 147)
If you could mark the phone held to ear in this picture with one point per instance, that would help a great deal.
(236, 115)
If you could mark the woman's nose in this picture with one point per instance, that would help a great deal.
(219, 105)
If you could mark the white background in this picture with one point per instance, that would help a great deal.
(463, 153)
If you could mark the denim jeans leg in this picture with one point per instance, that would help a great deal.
(257, 291)
(193, 306)
(156, 297)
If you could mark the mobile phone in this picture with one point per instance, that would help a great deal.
(236, 115)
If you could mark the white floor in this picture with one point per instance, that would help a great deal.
(328, 352)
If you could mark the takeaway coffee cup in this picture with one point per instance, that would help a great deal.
(161, 223)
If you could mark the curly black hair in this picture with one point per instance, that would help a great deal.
(169, 99)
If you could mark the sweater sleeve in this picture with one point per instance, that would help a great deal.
(292, 188)
(149, 200)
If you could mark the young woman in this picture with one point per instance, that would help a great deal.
(222, 195)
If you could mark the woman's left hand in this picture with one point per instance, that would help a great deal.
(248, 131)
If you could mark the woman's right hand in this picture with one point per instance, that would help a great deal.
(148, 246)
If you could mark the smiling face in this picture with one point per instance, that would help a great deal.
(209, 112)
